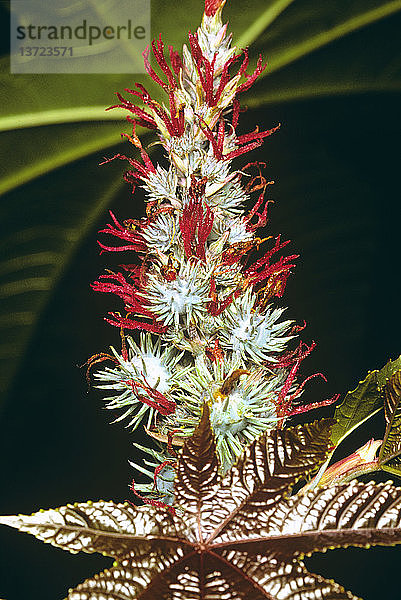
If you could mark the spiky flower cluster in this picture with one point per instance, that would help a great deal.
(198, 289)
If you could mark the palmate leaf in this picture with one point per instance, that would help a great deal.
(51, 122)
(236, 537)
(101, 526)
(390, 451)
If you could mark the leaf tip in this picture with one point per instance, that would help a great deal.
(10, 520)
(203, 428)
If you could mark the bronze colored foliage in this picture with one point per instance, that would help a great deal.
(391, 448)
(234, 537)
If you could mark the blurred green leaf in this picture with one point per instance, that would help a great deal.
(315, 49)
(54, 131)
(40, 247)
(48, 152)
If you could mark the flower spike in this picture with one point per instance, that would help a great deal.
(197, 286)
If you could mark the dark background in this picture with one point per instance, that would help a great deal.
(336, 166)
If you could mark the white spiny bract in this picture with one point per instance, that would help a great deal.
(227, 198)
(187, 153)
(162, 235)
(161, 486)
(253, 333)
(146, 366)
(238, 232)
(216, 171)
(161, 185)
(182, 300)
(200, 289)
(238, 416)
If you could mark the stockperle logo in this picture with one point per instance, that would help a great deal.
(67, 36)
